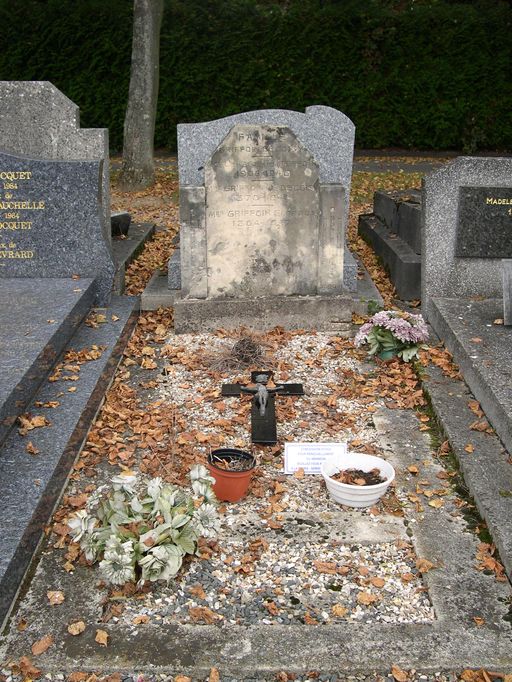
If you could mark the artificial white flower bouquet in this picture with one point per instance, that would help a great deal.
(141, 530)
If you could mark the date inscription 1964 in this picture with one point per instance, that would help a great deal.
(16, 217)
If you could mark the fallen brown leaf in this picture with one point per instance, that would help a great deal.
(377, 582)
(366, 598)
(203, 614)
(55, 597)
(101, 637)
(339, 610)
(76, 628)
(198, 591)
(29, 671)
(31, 448)
(424, 565)
(42, 645)
(328, 567)
(77, 677)
(214, 675)
(399, 674)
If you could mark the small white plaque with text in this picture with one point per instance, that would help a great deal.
(309, 456)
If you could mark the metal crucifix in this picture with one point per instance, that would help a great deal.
(263, 410)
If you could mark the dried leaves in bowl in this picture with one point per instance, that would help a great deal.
(359, 477)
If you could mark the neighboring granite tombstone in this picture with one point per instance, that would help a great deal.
(467, 229)
(467, 242)
(264, 200)
(38, 120)
(50, 221)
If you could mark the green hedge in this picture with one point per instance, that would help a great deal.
(430, 74)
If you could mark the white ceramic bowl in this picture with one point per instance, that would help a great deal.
(356, 495)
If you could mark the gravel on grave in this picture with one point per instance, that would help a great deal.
(279, 582)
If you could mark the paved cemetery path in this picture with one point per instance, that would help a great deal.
(297, 587)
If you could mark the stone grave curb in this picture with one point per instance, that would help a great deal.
(403, 264)
(126, 250)
(487, 471)
(483, 351)
(33, 485)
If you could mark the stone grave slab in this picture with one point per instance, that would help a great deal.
(32, 484)
(394, 232)
(37, 319)
(485, 363)
(50, 221)
(466, 232)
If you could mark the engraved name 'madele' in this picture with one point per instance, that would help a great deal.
(498, 201)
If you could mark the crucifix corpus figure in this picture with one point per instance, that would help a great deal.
(263, 410)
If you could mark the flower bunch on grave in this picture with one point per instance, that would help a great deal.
(393, 332)
(141, 530)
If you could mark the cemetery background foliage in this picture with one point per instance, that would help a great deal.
(431, 74)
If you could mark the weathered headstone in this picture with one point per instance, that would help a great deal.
(465, 234)
(38, 120)
(50, 221)
(507, 292)
(271, 228)
(263, 213)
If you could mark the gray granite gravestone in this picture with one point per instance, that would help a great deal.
(38, 120)
(467, 229)
(264, 200)
(507, 292)
(50, 221)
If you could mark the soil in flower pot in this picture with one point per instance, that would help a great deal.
(232, 470)
(359, 477)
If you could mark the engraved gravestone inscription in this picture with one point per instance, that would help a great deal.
(262, 215)
(50, 220)
(484, 226)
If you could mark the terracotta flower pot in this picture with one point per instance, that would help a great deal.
(230, 485)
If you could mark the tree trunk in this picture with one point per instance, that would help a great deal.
(139, 125)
